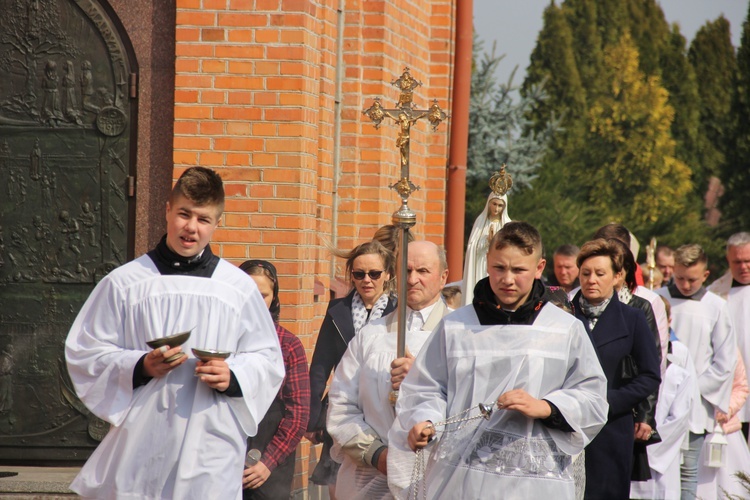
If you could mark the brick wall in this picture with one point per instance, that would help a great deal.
(255, 89)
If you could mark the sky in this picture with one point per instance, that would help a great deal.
(514, 25)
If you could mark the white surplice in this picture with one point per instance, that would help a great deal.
(174, 437)
(464, 363)
(359, 406)
(705, 327)
(738, 302)
(676, 395)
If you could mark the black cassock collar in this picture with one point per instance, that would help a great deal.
(168, 262)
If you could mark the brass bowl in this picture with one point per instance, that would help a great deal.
(171, 341)
(206, 355)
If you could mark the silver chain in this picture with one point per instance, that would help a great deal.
(418, 471)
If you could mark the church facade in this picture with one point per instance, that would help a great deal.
(270, 93)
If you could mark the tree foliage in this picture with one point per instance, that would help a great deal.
(637, 178)
(712, 56)
(736, 171)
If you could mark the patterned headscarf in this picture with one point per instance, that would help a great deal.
(269, 272)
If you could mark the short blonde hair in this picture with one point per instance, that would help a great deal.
(690, 255)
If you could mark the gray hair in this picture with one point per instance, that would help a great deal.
(738, 240)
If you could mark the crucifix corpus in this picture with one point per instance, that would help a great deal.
(404, 115)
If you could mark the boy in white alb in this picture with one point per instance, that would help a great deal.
(179, 425)
(705, 327)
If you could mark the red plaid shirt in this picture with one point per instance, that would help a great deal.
(295, 393)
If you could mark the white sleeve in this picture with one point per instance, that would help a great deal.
(99, 357)
(715, 383)
(346, 420)
(422, 396)
(258, 365)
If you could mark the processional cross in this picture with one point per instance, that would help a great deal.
(404, 115)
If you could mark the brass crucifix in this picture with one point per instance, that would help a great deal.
(405, 115)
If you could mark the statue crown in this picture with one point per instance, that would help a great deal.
(501, 182)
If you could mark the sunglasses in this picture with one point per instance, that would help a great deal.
(360, 275)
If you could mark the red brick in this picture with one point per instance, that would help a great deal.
(195, 18)
(213, 66)
(238, 128)
(237, 159)
(236, 113)
(213, 35)
(238, 144)
(242, 20)
(240, 51)
(187, 34)
(238, 82)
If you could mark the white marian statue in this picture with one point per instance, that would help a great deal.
(493, 217)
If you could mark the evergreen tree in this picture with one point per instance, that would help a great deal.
(581, 16)
(553, 65)
(650, 32)
(678, 77)
(712, 57)
(736, 173)
(637, 179)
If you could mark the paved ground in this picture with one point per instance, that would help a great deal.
(37, 483)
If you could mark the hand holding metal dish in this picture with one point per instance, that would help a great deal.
(171, 341)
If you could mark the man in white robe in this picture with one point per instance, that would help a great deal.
(179, 427)
(734, 287)
(360, 413)
(702, 322)
(514, 350)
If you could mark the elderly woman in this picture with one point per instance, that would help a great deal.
(370, 267)
(620, 336)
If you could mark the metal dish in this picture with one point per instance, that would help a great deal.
(206, 355)
(171, 341)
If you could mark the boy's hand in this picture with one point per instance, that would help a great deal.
(420, 435)
(154, 365)
(214, 373)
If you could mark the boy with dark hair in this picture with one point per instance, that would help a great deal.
(514, 351)
(179, 425)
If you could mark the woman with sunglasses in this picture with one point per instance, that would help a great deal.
(370, 267)
(285, 422)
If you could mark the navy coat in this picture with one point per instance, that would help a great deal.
(620, 330)
(334, 336)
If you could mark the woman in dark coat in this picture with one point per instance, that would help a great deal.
(370, 267)
(616, 331)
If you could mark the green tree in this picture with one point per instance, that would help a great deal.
(553, 65)
(678, 77)
(736, 172)
(712, 57)
(637, 178)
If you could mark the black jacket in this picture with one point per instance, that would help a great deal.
(334, 336)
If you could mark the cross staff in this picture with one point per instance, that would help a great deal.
(405, 115)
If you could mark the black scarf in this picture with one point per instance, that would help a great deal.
(168, 262)
(490, 312)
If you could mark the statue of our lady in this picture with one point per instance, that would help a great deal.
(493, 217)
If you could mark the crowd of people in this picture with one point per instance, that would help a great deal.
(520, 381)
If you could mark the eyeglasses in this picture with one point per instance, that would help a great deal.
(360, 275)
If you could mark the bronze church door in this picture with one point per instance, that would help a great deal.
(67, 115)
